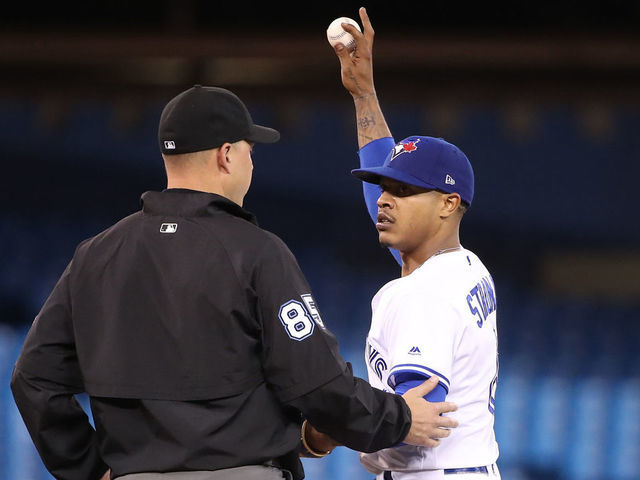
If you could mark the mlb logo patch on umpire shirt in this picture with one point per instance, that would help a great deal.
(168, 228)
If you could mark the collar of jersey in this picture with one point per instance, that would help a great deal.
(183, 202)
(437, 256)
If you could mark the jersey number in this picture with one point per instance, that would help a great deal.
(297, 322)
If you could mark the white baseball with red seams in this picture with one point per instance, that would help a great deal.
(336, 34)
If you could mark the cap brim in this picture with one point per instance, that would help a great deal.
(376, 174)
(260, 134)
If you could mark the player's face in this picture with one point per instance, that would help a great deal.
(242, 168)
(407, 215)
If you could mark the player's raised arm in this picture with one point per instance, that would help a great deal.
(356, 71)
(374, 137)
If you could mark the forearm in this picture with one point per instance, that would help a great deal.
(356, 415)
(59, 428)
(370, 121)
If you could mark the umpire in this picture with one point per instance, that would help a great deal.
(196, 336)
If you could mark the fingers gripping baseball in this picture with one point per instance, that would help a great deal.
(428, 426)
(356, 68)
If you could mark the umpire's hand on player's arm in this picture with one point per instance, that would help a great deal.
(356, 69)
(427, 424)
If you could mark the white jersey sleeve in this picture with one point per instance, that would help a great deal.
(419, 339)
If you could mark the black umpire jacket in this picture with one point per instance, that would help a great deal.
(197, 339)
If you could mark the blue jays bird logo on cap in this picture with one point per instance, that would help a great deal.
(406, 147)
(425, 162)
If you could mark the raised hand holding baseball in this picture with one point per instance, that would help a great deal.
(356, 66)
(336, 34)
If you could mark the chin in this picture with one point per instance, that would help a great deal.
(385, 242)
(390, 242)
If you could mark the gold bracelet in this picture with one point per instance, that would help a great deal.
(306, 445)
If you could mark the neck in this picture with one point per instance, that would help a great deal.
(415, 258)
(194, 171)
(207, 187)
(194, 184)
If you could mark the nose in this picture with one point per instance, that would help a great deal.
(385, 200)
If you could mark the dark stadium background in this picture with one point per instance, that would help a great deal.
(542, 96)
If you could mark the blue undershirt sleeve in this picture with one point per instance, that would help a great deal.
(438, 394)
(373, 154)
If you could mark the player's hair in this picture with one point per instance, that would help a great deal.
(462, 208)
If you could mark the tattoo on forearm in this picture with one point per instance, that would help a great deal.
(369, 119)
(366, 121)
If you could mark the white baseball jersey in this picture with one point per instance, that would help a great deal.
(439, 320)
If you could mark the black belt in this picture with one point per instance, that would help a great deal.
(450, 471)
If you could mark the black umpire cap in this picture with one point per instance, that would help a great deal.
(202, 118)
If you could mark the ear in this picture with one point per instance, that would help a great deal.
(222, 158)
(450, 203)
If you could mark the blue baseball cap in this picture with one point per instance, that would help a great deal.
(426, 162)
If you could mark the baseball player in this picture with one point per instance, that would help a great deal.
(439, 318)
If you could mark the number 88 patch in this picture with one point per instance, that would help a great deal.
(296, 319)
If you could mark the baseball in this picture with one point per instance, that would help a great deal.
(336, 34)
